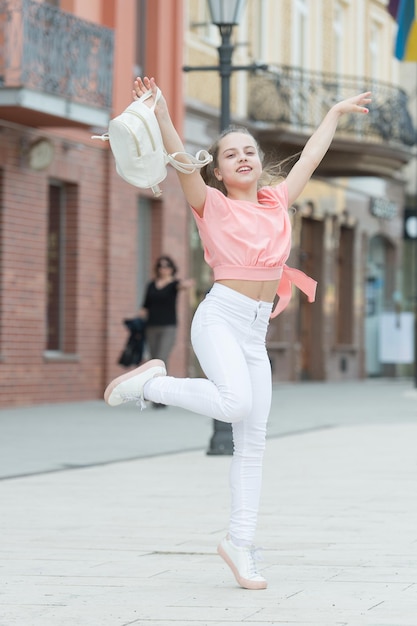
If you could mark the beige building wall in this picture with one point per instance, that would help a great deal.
(408, 79)
(348, 37)
(346, 42)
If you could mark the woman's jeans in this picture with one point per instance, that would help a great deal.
(161, 340)
(228, 336)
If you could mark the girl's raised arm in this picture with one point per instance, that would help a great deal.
(192, 185)
(318, 144)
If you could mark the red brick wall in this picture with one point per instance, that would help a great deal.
(101, 255)
(100, 280)
(26, 374)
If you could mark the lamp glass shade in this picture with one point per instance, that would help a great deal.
(226, 12)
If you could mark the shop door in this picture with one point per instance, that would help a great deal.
(379, 285)
(310, 315)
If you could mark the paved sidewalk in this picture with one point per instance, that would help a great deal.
(133, 542)
(57, 437)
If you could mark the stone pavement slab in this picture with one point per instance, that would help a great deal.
(133, 543)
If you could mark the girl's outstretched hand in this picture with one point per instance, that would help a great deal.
(142, 85)
(356, 104)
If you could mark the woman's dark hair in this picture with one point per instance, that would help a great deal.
(165, 261)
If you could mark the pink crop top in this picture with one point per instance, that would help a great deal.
(247, 241)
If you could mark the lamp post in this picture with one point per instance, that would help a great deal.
(225, 14)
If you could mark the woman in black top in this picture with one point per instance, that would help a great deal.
(160, 308)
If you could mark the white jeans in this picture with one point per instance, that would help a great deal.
(228, 336)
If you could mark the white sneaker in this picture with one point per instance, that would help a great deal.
(129, 387)
(241, 561)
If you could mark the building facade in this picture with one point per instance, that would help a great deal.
(347, 224)
(77, 243)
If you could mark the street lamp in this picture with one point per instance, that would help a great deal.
(225, 14)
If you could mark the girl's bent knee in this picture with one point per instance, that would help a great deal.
(236, 411)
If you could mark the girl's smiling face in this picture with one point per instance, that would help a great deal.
(239, 164)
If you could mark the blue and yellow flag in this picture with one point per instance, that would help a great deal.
(405, 14)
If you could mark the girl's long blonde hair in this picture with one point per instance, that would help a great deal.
(272, 173)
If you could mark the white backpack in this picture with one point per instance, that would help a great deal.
(137, 146)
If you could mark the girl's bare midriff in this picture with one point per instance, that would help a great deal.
(255, 289)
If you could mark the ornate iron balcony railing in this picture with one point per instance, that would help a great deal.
(50, 51)
(298, 98)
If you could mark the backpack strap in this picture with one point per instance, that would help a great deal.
(148, 94)
(201, 159)
(103, 137)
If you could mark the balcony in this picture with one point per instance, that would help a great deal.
(286, 105)
(55, 69)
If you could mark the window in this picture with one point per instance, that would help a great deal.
(262, 33)
(61, 268)
(339, 38)
(345, 57)
(144, 246)
(300, 34)
(140, 53)
(55, 273)
(375, 50)
(300, 106)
